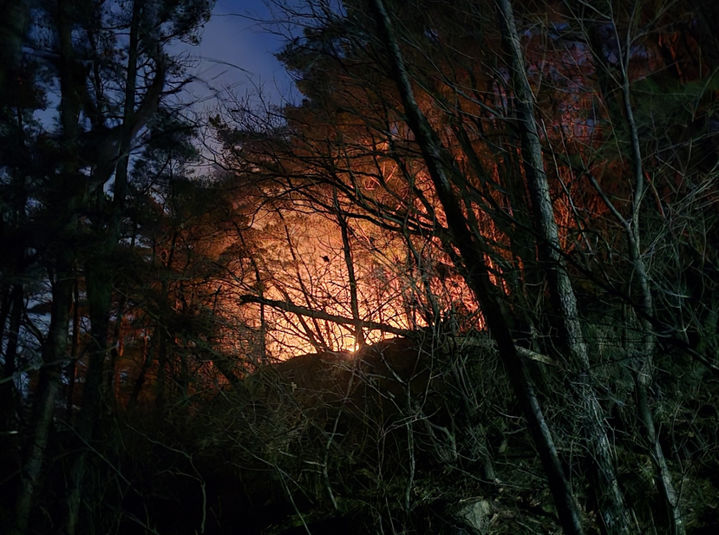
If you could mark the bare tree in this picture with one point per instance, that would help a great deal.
(475, 269)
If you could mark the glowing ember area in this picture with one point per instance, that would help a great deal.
(305, 303)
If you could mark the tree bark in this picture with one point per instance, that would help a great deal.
(614, 513)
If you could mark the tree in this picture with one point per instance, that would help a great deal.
(481, 94)
(108, 93)
(475, 268)
(21, 160)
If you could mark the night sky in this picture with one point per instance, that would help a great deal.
(236, 54)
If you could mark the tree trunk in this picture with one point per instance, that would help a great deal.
(54, 350)
(99, 292)
(644, 372)
(148, 357)
(476, 272)
(71, 368)
(613, 511)
(349, 263)
(314, 336)
(100, 269)
(8, 392)
(69, 191)
(645, 365)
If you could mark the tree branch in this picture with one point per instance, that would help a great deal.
(319, 314)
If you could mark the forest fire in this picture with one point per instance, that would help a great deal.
(468, 282)
(309, 304)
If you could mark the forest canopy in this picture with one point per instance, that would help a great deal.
(467, 284)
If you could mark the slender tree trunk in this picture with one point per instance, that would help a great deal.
(476, 271)
(314, 336)
(116, 352)
(158, 340)
(8, 392)
(645, 371)
(69, 189)
(615, 516)
(262, 343)
(15, 19)
(100, 269)
(161, 379)
(148, 357)
(54, 350)
(414, 261)
(4, 308)
(98, 293)
(624, 112)
(349, 263)
(13, 291)
(71, 368)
